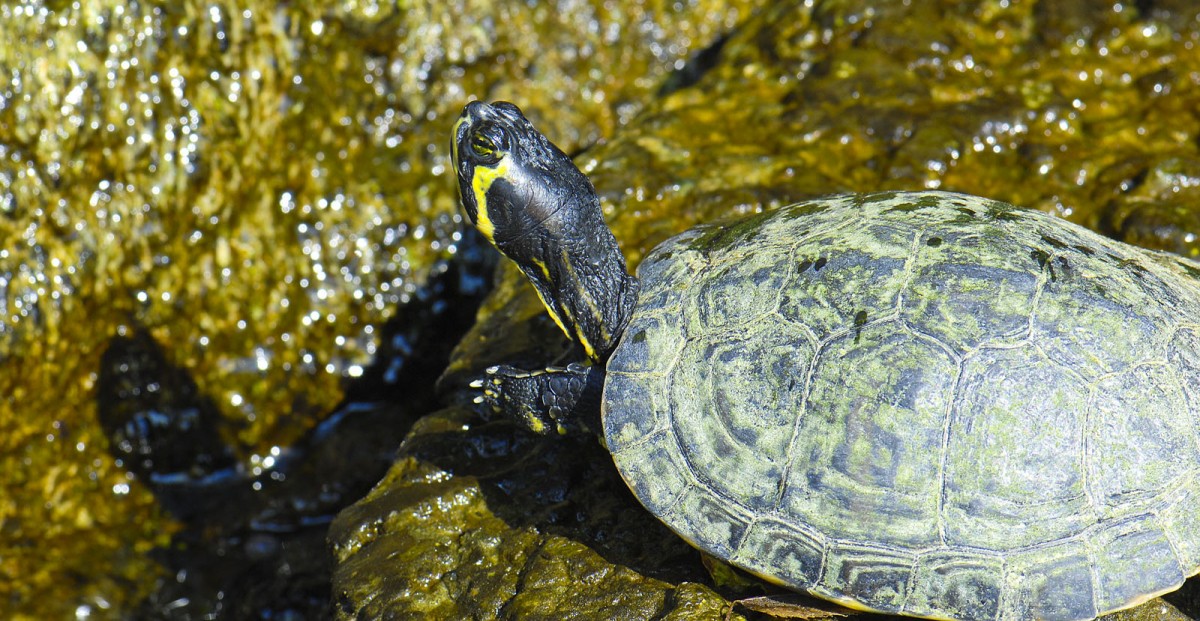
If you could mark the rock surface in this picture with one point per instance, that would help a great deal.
(1083, 109)
(256, 187)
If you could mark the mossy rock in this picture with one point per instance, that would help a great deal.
(987, 99)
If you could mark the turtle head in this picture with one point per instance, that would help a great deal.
(531, 202)
(515, 185)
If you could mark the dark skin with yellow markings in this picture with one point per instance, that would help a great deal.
(524, 194)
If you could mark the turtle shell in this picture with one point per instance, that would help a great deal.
(919, 403)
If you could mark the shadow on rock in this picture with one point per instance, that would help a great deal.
(567, 487)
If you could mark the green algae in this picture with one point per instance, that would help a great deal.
(258, 185)
(507, 534)
(799, 105)
(1157, 204)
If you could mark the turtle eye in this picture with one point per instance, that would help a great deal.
(484, 147)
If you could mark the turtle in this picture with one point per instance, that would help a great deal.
(919, 403)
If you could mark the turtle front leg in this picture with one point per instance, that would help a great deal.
(556, 399)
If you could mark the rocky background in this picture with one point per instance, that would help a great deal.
(232, 266)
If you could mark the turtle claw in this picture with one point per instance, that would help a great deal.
(489, 388)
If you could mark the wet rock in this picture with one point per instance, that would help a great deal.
(1010, 100)
(489, 521)
(258, 186)
(1155, 203)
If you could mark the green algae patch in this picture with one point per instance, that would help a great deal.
(1154, 610)
(506, 533)
(1156, 206)
(855, 96)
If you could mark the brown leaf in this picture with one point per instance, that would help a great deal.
(791, 606)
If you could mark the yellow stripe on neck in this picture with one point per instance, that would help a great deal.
(591, 308)
(481, 183)
(562, 325)
(549, 307)
(581, 337)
